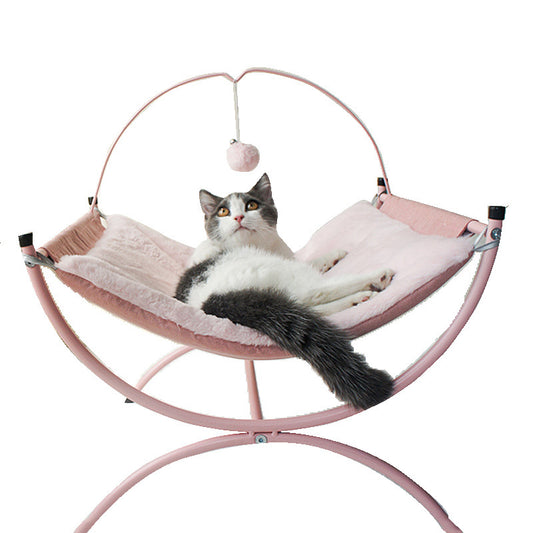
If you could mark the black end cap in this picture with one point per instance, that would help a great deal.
(381, 182)
(497, 212)
(26, 239)
(90, 199)
(127, 400)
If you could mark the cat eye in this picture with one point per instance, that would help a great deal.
(223, 212)
(251, 206)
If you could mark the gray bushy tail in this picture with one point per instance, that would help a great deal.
(305, 334)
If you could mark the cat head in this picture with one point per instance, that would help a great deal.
(241, 217)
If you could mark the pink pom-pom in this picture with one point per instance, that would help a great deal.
(242, 157)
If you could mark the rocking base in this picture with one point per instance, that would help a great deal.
(239, 439)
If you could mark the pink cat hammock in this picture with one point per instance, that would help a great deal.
(132, 271)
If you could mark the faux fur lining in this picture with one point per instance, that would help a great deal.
(376, 241)
(405, 304)
(168, 328)
(132, 271)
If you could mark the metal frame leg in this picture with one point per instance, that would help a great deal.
(197, 448)
(378, 465)
(162, 363)
(253, 392)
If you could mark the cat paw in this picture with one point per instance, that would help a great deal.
(382, 280)
(362, 296)
(328, 261)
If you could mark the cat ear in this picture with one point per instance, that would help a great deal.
(262, 189)
(208, 202)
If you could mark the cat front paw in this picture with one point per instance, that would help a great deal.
(382, 280)
(327, 262)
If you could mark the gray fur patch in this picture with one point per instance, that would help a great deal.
(193, 276)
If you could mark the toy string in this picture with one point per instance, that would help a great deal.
(236, 106)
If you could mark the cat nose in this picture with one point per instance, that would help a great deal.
(239, 218)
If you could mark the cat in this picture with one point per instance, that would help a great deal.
(245, 272)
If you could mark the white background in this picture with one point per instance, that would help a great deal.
(446, 90)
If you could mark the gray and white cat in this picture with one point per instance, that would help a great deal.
(245, 272)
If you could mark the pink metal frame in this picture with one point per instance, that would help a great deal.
(236, 80)
(257, 429)
(263, 425)
(240, 439)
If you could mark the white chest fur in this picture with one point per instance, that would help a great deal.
(251, 268)
(248, 267)
(266, 240)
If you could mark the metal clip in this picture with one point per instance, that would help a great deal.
(496, 235)
(38, 260)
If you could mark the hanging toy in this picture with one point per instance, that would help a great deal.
(241, 157)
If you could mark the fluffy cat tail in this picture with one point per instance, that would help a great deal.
(305, 334)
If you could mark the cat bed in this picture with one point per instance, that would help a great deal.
(132, 271)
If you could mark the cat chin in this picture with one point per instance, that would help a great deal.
(242, 237)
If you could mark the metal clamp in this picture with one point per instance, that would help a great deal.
(38, 260)
(496, 235)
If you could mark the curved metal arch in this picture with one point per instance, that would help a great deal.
(234, 81)
(331, 96)
(228, 441)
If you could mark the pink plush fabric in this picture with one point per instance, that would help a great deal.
(167, 328)
(142, 266)
(76, 239)
(132, 270)
(424, 218)
(377, 241)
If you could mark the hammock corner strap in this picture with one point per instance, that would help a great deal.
(421, 224)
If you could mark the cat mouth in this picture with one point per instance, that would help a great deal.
(243, 228)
